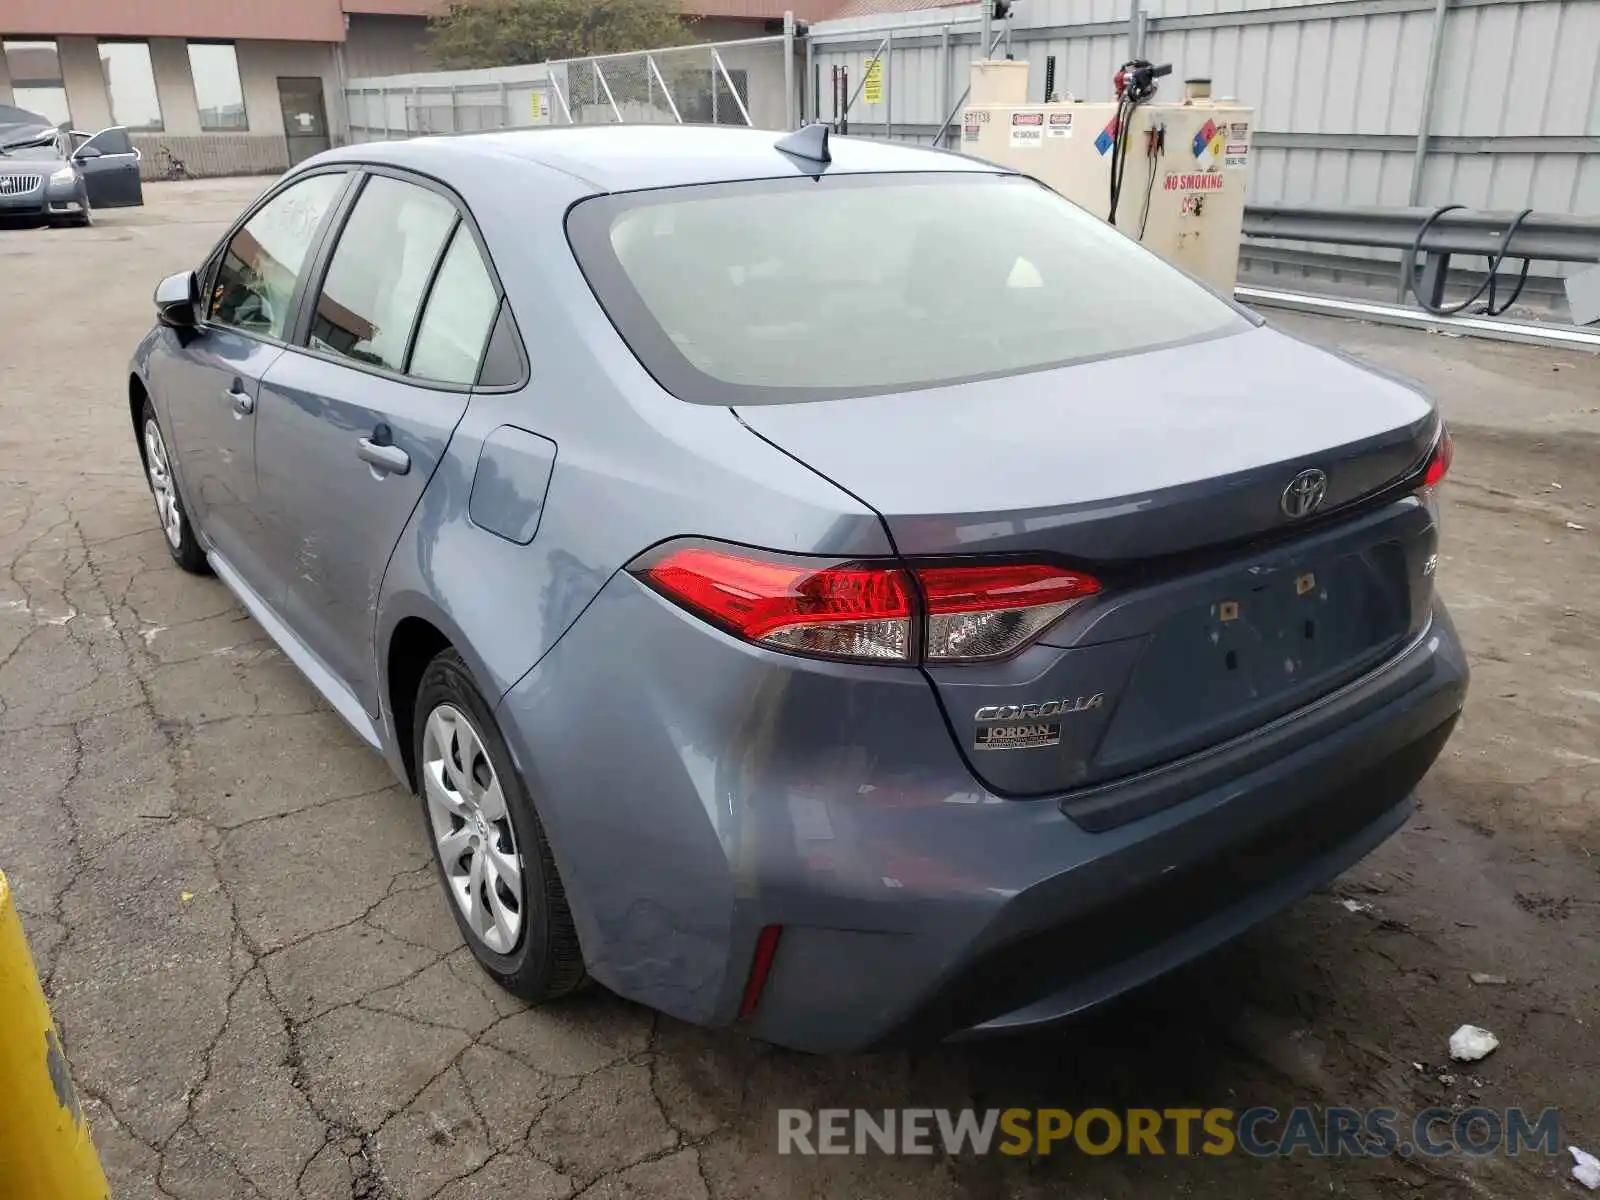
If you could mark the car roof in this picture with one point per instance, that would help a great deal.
(615, 158)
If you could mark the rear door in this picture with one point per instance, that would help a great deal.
(110, 166)
(356, 417)
(210, 387)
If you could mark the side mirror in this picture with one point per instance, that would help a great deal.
(83, 152)
(177, 300)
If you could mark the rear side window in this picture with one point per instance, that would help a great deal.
(805, 289)
(261, 266)
(461, 310)
(379, 271)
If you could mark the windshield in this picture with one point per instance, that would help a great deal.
(32, 147)
(808, 289)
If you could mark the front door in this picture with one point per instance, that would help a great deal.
(357, 415)
(213, 386)
(110, 166)
(305, 117)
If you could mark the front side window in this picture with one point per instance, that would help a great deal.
(791, 290)
(111, 141)
(379, 271)
(130, 84)
(455, 325)
(217, 90)
(36, 84)
(262, 264)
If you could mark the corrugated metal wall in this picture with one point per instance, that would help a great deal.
(1338, 87)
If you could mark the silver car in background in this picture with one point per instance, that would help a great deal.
(60, 176)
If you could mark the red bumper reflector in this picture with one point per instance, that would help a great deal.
(760, 967)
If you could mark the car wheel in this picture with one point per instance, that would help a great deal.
(489, 845)
(170, 511)
(86, 217)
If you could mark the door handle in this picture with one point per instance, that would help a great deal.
(383, 456)
(243, 403)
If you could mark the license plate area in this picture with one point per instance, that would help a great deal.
(1262, 643)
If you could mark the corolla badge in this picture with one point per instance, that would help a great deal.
(1046, 708)
(1304, 494)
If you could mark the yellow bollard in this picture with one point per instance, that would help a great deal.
(45, 1151)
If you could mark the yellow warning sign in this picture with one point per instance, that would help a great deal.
(872, 86)
(537, 103)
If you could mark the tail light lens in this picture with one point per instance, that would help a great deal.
(864, 611)
(1444, 452)
(846, 610)
(987, 612)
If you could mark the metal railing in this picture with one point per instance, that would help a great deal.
(1540, 236)
(1435, 235)
(747, 82)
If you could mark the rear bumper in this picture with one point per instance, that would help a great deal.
(696, 790)
(1143, 927)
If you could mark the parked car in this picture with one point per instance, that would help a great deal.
(61, 176)
(844, 590)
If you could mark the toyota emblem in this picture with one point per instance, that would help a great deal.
(1304, 494)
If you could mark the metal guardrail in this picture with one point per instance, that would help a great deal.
(1437, 234)
(1553, 238)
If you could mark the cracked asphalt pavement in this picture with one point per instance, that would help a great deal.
(262, 993)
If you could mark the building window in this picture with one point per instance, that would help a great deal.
(217, 89)
(131, 84)
(35, 70)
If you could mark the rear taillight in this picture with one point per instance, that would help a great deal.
(990, 611)
(1444, 450)
(843, 610)
(866, 611)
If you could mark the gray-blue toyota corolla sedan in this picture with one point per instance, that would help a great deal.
(845, 591)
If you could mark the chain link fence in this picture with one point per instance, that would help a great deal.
(749, 82)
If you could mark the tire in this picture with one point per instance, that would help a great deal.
(520, 931)
(171, 512)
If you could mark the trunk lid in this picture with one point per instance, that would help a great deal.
(1165, 474)
(1125, 458)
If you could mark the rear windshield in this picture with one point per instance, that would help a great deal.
(851, 285)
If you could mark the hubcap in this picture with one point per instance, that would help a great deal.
(477, 846)
(166, 492)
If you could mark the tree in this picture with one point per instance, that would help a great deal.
(499, 33)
